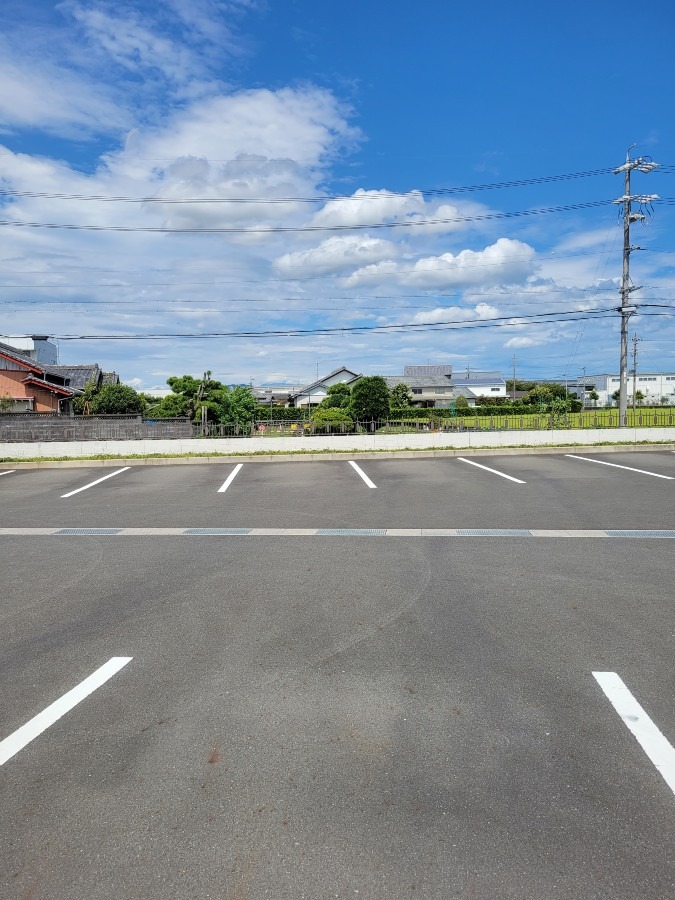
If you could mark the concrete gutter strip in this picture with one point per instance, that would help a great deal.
(404, 446)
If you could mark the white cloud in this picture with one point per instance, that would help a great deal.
(507, 261)
(455, 314)
(366, 207)
(305, 127)
(520, 342)
(334, 255)
(410, 210)
(35, 91)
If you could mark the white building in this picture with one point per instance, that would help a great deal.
(37, 347)
(653, 385)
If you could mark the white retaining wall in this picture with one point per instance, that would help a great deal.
(357, 443)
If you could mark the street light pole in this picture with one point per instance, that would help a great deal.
(642, 164)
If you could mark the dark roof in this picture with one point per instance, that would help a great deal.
(418, 381)
(478, 379)
(424, 371)
(76, 377)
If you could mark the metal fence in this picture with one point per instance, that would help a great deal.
(642, 418)
(32, 427)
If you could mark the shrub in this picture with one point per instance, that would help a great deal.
(328, 419)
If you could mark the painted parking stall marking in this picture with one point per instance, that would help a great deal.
(92, 483)
(525, 533)
(602, 462)
(362, 474)
(488, 469)
(230, 478)
(659, 750)
(28, 732)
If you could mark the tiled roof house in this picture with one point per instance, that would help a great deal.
(33, 386)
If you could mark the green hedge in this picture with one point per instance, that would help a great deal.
(511, 409)
(280, 414)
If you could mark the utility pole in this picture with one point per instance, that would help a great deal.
(513, 393)
(635, 356)
(642, 164)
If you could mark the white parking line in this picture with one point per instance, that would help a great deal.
(601, 462)
(362, 474)
(8, 472)
(650, 738)
(28, 732)
(230, 478)
(98, 481)
(488, 469)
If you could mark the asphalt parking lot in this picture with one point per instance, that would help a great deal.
(378, 679)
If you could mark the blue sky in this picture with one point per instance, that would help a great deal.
(292, 167)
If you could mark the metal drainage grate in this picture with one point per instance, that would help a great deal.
(641, 534)
(494, 532)
(88, 531)
(217, 531)
(357, 531)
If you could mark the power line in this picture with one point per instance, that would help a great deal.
(372, 195)
(498, 321)
(298, 229)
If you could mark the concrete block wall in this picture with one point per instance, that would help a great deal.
(354, 443)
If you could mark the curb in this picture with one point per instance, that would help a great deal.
(435, 453)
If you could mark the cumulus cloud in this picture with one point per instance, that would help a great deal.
(507, 261)
(367, 207)
(335, 254)
(305, 125)
(410, 210)
(455, 314)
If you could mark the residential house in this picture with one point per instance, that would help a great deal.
(437, 386)
(34, 386)
(312, 394)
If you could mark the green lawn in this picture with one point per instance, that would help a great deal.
(601, 418)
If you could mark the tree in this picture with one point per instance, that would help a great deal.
(237, 405)
(337, 397)
(520, 385)
(370, 398)
(192, 390)
(116, 398)
(82, 404)
(234, 406)
(594, 396)
(639, 396)
(400, 396)
(172, 406)
(6, 404)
